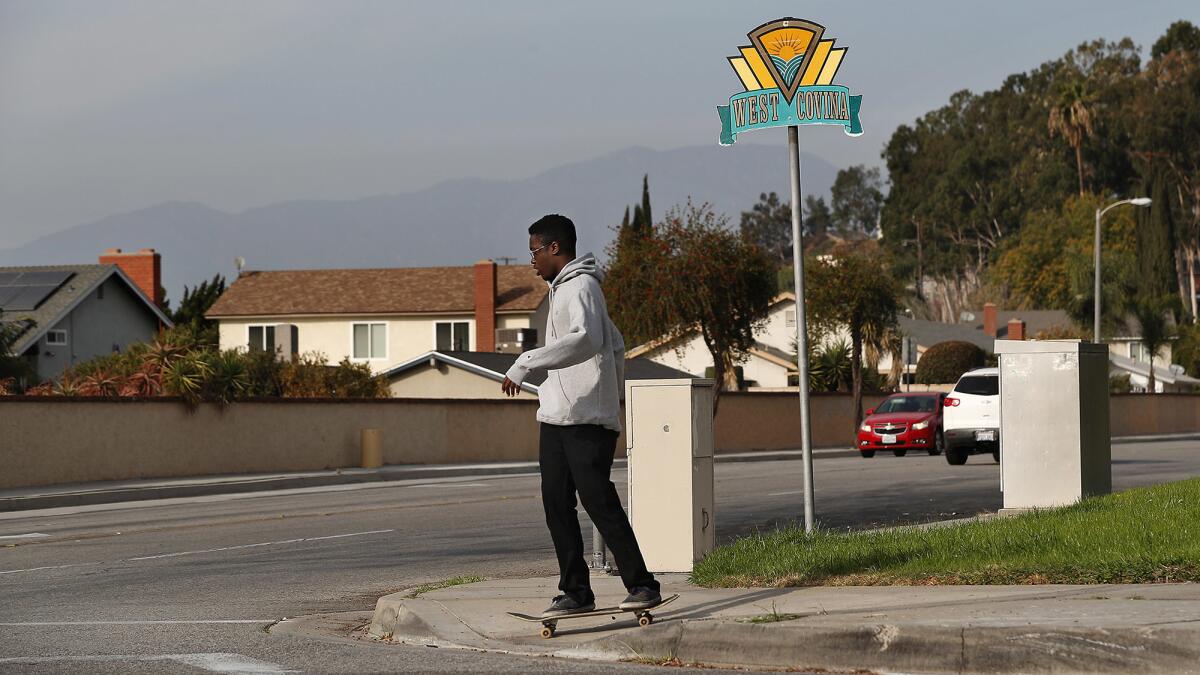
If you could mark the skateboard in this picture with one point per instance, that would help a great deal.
(549, 624)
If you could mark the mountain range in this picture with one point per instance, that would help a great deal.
(455, 222)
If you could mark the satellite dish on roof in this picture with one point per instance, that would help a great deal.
(239, 262)
(966, 317)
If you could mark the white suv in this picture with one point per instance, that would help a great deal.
(971, 418)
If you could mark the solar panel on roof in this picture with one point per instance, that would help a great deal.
(42, 279)
(6, 294)
(29, 297)
(6, 277)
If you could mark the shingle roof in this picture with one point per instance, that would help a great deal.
(406, 290)
(494, 365)
(85, 278)
(1036, 320)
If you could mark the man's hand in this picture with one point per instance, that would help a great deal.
(510, 388)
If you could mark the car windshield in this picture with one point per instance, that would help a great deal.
(980, 385)
(905, 404)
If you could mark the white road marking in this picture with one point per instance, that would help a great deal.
(789, 492)
(132, 623)
(265, 543)
(212, 662)
(48, 567)
(447, 485)
(207, 550)
(236, 496)
(31, 535)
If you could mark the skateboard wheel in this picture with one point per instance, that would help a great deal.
(547, 632)
(645, 620)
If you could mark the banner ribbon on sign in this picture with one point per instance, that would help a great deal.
(766, 108)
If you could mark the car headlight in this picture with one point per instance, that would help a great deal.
(918, 426)
(864, 427)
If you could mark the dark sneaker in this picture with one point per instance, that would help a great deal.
(564, 605)
(641, 598)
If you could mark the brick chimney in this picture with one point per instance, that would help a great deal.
(485, 306)
(989, 319)
(144, 268)
(1016, 329)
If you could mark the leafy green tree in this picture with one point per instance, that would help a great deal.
(818, 219)
(769, 225)
(857, 196)
(850, 291)
(1181, 36)
(195, 303)
(701, 276)
(642, 219)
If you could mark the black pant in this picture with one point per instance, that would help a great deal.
(580, 457)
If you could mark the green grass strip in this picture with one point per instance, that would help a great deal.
(445, 583)
(1145, 535)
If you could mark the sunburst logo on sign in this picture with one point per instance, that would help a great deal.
(787, 71)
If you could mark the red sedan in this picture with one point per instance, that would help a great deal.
(904, 422)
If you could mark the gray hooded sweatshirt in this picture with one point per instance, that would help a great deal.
(584, 354)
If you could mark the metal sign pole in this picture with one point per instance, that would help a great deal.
(801, 329)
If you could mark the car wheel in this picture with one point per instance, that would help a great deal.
(868, 453)
(939, 443)
(996, 455)
(900, 452)
(956, 456)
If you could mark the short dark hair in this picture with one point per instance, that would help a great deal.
(555, 227)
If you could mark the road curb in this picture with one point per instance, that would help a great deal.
(925, 648)
(917, 648)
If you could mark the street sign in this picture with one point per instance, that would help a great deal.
(787, 74)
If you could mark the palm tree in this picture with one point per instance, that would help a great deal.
(885, 340)
(1152, 314)
(1071, 117)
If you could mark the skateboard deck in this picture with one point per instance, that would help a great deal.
(549, 624)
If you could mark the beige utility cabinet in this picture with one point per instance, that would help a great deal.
(669, 440)
(1054, 434)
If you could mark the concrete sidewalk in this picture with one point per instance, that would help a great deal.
(108, 492)
(939, 629)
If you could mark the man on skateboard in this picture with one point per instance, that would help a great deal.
(579, 410)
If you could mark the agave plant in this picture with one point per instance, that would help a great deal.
(101, 382)
(185, 376)
(228, 376)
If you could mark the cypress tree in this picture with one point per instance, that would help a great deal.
(1156, 243)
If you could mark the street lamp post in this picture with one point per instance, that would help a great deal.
(1136, 201)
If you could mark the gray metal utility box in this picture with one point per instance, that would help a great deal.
(1054, 434)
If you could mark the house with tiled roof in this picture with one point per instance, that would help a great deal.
(384, 317)
(67, 314)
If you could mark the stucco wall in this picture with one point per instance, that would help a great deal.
(47, 441)
(407, 336)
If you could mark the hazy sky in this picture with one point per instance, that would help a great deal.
(111, 106)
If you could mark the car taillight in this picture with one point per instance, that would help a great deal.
(950, 402)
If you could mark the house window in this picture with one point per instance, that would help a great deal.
(453, 336)
(262, 338)
(790, 317)
(370, 341)
(1138, 352)
(57, 338)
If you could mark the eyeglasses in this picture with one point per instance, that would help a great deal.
(533, 252)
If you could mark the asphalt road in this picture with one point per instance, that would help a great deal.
(189, 585)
